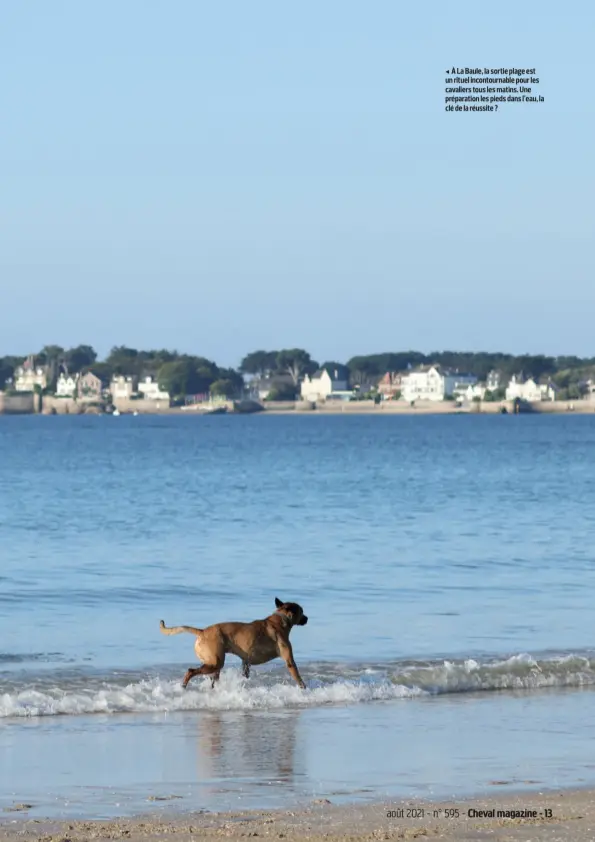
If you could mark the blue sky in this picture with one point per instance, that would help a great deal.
(221, 177)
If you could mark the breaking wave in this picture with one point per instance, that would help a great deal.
(327, 684)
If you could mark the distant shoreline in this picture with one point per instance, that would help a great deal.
(436, 408)
(580, 407)
(176, 412)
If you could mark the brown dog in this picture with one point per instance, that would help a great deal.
(255, 643)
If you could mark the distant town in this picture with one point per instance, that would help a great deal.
(58, 380)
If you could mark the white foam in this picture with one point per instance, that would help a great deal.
(397, 681)
(232, 693)
(519, 672)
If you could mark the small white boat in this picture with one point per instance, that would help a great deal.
(116, 412)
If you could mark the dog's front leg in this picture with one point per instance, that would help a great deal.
(245, 669)
(286, 652)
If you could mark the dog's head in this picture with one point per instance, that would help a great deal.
(293, 612)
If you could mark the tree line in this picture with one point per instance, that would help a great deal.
(183, 374)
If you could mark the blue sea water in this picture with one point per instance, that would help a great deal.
(436, 557)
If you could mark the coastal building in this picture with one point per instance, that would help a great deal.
(474, 392)
(27, 376)
(435, 383)
(390, 384)
(67, 385)
(123, 386)
(493, 380)
(148, 388)
(530, 390)
(325, 385)
(91, 387)
(260, 388)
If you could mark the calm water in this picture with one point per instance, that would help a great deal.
(431, 554)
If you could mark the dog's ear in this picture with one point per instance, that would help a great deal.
(278, 602)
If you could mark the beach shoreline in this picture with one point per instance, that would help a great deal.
(506, 815)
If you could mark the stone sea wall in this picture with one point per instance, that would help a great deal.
(23, 404)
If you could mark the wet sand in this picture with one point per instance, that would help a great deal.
(560, 815)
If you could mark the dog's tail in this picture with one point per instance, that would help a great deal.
(178, 629)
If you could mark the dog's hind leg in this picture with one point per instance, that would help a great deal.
(245, 669)
(206, 669)
(212, 654)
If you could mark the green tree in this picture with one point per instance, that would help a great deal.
(204, 373)
(104, 371)
(51, 357)
(575, 392)
(79, 358)
(259, 363)
(51, 352)
(187, 376)
(340, 368)
(7, 367)
(363, 370)
(369, 368)
(223, 388)
(493, 395)
(535, 366)
(296, 362)
(175, 378)
(148, 363)
(282, 392)
(234, 377)
(123, 360)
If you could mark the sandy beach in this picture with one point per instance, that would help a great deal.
(560, 815)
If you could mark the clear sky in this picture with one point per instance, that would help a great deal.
(218, 177)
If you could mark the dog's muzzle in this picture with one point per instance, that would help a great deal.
(303, 621)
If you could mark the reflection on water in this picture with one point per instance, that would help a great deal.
(229, 759)
(250, 745)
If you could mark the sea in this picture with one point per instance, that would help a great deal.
(446, 564)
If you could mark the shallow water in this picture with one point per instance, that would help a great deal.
(435, 557)
(442, 748)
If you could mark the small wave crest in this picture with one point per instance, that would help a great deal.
(326, 685)
(25, 657)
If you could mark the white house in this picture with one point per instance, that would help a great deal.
(475, 392)
(27, 376)
(67, 385)
(122, 386)
(529, 390)
(149, 389)
(493, 380)
(323, 386)
(434, 383)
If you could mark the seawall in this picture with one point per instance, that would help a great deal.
(23, 404)
(430, 407)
